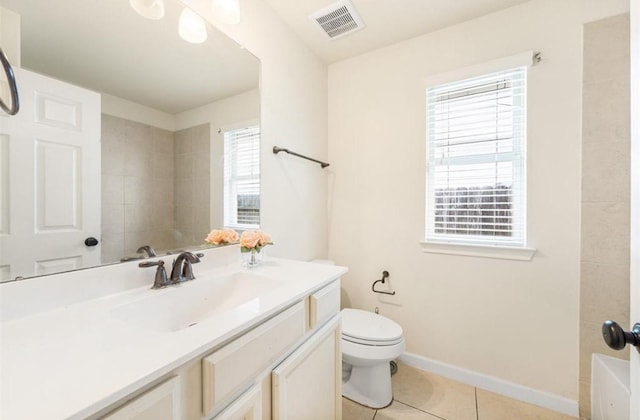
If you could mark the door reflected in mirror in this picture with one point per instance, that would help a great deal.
(130, 135)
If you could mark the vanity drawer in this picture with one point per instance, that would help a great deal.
(159, 403)
(324, 304)
(227, 370)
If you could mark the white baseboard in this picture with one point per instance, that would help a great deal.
(499, 386)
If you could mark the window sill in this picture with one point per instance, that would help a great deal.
(242, 228)
(483, 251)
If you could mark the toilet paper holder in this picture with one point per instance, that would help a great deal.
(385, 275)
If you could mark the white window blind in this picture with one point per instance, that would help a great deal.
(242, 178)
(476, 135)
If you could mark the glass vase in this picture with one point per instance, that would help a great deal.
(251, 259)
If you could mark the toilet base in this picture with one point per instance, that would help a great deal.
(369, 385)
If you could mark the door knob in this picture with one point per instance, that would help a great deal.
(617, 338)
(91, 241)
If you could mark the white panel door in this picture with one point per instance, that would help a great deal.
(634, 409)
(49, 179)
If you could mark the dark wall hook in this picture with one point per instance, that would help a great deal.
(385, 275)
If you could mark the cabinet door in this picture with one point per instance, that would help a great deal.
(247, 407)
(307, 385)
(159, 403)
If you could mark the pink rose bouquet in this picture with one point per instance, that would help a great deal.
(254, 240)
(221, 237)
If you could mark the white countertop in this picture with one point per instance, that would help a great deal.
(74, 360)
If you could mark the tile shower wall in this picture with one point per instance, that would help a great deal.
(604, 271)
(192, 184)
(137, 187)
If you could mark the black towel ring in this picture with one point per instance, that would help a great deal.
(385, 275)
(13, 87)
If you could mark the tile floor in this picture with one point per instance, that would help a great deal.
(420, 395)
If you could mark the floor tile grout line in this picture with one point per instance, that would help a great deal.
(416, 408)
(475, 392)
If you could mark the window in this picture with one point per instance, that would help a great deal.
(476, 135)
(242, 178)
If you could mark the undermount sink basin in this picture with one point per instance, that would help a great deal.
(181, 306)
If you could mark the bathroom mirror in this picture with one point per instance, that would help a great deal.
(159, 109)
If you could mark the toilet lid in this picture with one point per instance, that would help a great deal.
(368, 326)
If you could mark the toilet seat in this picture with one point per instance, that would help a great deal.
(371, 342)
(371, 329)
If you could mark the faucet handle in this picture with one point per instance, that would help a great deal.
(146, 264)
(161, 279)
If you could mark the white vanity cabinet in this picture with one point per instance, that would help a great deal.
(287, 367)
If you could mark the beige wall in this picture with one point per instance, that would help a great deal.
(293, 114)
(133, 111)
(604, 269)
(137, 187)
(516, 321)
(10, 36)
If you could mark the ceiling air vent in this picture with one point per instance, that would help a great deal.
(338, 19)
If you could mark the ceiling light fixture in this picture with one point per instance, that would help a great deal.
(151, 9)
(191, 27)
(227, 10)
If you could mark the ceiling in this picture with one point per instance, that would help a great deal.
(88, 42)
(91, 43)
(387, 21)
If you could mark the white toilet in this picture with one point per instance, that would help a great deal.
(369, 342)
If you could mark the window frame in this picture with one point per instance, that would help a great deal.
(445, 244)
(228, 190)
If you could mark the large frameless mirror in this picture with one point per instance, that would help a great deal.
(135, 135)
